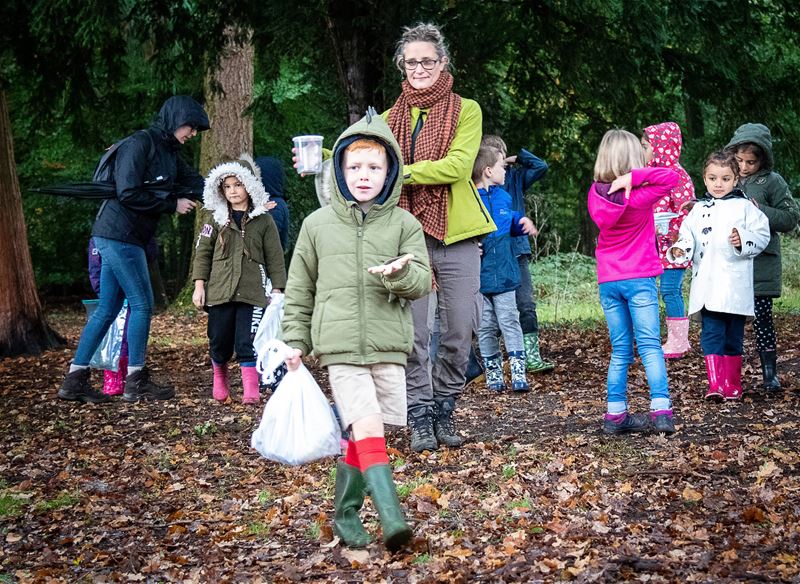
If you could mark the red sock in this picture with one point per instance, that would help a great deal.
(351, 456)
(371, 451)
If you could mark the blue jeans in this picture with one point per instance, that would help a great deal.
(722, 334)
(631, 310)
(500, 313)
(670, 288)
(123, 275)
(526, 305)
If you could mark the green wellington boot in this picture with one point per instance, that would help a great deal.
(380, 484)
(347, 501)
(533, 360)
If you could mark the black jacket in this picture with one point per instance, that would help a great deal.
(273, 177)
(133, 215)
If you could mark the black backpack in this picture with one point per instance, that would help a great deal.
(104, 171)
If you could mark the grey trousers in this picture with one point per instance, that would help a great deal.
(458, 278)
(500, 314)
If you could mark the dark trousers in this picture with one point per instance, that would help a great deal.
(723, 333)
(233, 325)
(524, 295)
(763, 325)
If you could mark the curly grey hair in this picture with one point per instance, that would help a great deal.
(421, 32)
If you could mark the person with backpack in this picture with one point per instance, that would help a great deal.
(148, 175)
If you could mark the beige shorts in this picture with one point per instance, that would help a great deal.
(366, 390)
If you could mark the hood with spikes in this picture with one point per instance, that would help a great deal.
(249, 174)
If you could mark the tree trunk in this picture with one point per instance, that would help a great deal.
(228, 93)
(23, 328)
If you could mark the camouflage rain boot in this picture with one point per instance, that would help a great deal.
(533, 360)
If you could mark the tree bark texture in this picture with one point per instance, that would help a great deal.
(23, 328)
(228, 93)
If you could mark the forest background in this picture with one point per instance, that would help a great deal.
(551, 76)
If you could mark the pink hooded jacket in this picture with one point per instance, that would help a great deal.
(666, 141)
(626, 246)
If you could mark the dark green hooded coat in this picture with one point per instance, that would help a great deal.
(333, 306)
(770, 191)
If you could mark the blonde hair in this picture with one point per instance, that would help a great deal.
(494, 141)
(618, 154)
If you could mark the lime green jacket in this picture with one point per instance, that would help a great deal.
(466, 215)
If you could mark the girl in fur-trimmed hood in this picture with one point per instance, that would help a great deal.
(238, 255)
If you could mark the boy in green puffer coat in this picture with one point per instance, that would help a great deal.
(752, 146)
(357, 264)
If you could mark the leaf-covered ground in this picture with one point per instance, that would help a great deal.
(172, 491)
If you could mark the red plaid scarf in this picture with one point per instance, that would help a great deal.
(428, 203)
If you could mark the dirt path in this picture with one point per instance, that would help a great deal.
(173, 492)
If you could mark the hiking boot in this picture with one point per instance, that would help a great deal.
(443, 426)
(139, 386)
(422, 437)
(624, 423)
(519, 382)
(494, 372)
(533, 360)
(662, 421)
(769, 371)
(76, 387)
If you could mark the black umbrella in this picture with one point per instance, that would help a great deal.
(107, 190)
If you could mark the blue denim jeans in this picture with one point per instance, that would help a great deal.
(670, 288)
(631, 310)
(722, 334)
(123, 275)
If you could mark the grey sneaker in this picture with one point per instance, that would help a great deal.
(422, 437)
(663, 423)
(443, 426)
(630, 423)
(139, 386)
(76, 387)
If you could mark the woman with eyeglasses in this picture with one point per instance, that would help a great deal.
(147, 174)
(439, 133)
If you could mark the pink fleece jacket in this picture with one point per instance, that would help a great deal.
(626, 246)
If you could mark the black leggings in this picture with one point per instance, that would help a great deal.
(233, 325)
(763, 325)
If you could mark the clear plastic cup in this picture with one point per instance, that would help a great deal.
(663, 219)
(308, 151)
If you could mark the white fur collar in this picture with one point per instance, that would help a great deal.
(214, 200)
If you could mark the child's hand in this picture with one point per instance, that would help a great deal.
(199, 294)
(269, 205)
(734, 239)
(688, 205)
(528, 227)
(391, 266)
(294, 360)
(511, 159)
(622, 182)
(677, 252)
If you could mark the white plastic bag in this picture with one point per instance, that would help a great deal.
(270, 326)
(107, 354)
(298, 424)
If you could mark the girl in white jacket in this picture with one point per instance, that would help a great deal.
(721, 235)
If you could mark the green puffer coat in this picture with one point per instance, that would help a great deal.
(770, 191)
(333, 306)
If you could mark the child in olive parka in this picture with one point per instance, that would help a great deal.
(752, 146)
(357, 264)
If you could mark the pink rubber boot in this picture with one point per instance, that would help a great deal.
(677, 344)
(251, 394)
(733, 377)
(715, 367)
(113, 383)
(222, 387)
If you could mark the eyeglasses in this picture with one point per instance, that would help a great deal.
(427, 64)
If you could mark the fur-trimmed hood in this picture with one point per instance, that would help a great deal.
(249, 174)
